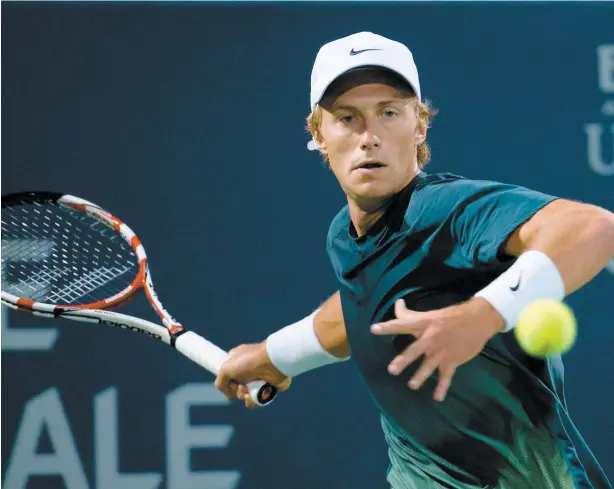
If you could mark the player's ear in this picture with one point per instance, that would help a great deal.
(318, 142)
(422, 123)
(420, 132)
(322, 147)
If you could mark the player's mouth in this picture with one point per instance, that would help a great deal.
(369, 166)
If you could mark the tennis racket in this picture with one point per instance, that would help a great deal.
(65, 257)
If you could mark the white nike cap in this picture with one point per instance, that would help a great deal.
(360, 50)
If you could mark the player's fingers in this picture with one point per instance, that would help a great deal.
(406, 357)
(400, 309)
(412, 325)
(222, 383)
(233, 387)
(249, 402)
(445, 379)
(242, 391)
(428, 368)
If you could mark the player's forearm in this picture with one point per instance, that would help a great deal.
(330, 328)
(314, 341)
(559, 249)
(578, 238)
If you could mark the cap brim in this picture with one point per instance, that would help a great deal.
(374, 74)
(359, 67)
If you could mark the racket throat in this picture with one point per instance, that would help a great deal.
(175, 331)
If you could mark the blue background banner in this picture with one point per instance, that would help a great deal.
(188, 121)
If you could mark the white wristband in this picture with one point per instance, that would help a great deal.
(296, 349)
(533, 276)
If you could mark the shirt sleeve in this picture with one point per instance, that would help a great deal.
(486, 214)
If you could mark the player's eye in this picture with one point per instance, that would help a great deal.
(347, 119)
(388, 114)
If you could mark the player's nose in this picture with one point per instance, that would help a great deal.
(369, 140)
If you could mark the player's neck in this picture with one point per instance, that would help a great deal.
(363, 219)
(364, 213)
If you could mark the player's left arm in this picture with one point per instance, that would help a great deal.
(578, 238)
(560, 247)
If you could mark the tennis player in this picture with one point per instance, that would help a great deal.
(433, 271)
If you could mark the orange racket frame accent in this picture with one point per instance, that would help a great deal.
(142, 278)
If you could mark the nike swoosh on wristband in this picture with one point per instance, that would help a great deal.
(353, 52)
(515, 287)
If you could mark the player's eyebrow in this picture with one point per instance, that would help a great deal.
(390, 102)
(381, 104)
(343, 107)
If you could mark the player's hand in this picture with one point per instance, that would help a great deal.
(246, 363)
(447, 338)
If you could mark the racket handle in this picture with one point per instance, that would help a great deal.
(211, 357)
(262, 393)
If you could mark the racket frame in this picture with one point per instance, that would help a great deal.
(192, 345)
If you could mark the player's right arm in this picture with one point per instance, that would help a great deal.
(317, 340)
(330, 328)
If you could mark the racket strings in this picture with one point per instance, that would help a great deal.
(58, 255)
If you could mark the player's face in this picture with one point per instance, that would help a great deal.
(370, 134)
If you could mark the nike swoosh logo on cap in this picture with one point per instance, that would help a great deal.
(353, 52)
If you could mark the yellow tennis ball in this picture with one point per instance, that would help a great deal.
(546, 327)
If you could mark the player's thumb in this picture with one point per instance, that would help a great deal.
(400, 309)
(284, 385)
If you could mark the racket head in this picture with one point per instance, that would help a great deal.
(61, 250)
(64, 256)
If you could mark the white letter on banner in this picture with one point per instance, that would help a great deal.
(44, 411)
(605, 67)
(107, 448)
(26, 339)
(181, 437)
(595, 150)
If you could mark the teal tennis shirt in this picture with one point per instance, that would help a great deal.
(504, 423)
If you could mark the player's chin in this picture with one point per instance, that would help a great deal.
(375, 189)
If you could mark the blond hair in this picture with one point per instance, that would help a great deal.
(424, 112)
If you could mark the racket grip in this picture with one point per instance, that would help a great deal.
(211, 357)
(262, 393)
